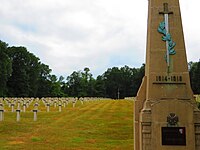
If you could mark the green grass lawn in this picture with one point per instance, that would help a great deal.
(95, 125)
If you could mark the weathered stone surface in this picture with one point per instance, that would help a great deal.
(166, 86)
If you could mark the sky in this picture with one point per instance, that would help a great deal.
(69, 35)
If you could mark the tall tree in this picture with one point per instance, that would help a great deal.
(56, 86)
(24, 78)
(87, 83)
(113, 80)
(44, 86)
(5, 68)
(74, 84)
(80, 84)
(100, 87)
(122, 82)
(33, 71)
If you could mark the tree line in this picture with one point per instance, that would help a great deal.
(23, 75)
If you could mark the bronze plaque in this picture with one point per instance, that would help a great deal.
(174, 136)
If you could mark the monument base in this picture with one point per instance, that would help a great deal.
(173, 130)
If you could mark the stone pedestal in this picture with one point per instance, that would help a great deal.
(12, 107)
(48, 107)
(74, 103)
(67, 102)
(60, 107)
(35, 114)
(1, 114)
(64, 104)
(24, 107)
(166, 115)
(18, 114)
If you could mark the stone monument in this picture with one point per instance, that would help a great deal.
(166, 115)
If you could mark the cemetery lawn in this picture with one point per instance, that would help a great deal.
(95, 125)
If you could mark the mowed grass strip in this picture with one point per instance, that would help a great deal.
(95, 125)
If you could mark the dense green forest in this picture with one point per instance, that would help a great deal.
(23, 75)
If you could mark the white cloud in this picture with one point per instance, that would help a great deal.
(190, 18)
(70, 35)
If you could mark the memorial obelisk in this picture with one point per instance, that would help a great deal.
(166, 116)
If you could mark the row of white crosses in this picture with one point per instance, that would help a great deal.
(11, 102)
(35, 102)
(57, 102)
